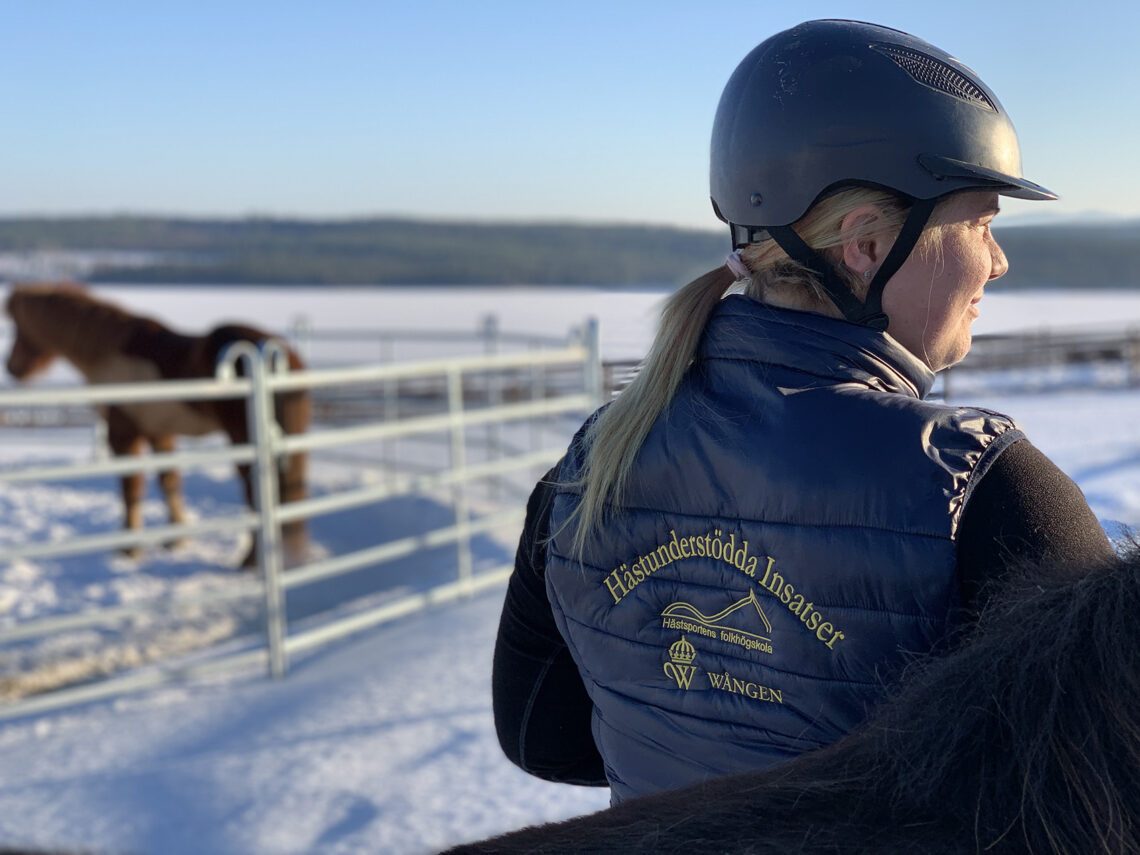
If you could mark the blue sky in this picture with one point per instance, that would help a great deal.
(556, 111)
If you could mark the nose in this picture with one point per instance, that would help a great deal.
(999, 265)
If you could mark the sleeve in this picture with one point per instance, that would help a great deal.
(542, 710)
(1024, 511)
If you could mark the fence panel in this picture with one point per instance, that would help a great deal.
(264, 375)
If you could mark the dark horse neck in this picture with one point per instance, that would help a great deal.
(1024, 739)
(107, 343)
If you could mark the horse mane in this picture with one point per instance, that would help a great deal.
(1024, 738)
(65, 318)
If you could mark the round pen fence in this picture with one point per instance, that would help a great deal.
(486, 393)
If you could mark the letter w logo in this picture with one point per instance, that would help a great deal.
(683, 674)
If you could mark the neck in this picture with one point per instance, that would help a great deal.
(58, 325)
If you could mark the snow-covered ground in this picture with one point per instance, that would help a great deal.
(383, 742)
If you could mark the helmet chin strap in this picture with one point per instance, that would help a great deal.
(870, 312)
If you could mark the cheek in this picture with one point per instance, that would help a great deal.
(968, 269)
(922, 292)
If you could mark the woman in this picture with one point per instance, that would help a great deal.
(737, 554)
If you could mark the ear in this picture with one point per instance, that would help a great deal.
(864, 246)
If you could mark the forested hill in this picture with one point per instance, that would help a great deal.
(407, 252)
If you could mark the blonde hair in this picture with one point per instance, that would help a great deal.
(617, 434)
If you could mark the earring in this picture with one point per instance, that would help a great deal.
(867, 274)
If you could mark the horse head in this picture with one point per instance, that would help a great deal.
(29, 356)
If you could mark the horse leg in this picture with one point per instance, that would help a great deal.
(290, 488)
(124, 438)
(291, 480)
(245, 472)
(171, 482)
(231, 416)
(294, 412)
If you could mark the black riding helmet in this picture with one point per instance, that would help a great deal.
(829, 104)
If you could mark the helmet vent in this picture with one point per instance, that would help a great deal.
(936, 74)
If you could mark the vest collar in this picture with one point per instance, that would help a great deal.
(743, 328)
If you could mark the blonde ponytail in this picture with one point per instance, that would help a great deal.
(615, 437)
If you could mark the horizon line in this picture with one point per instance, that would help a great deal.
(1013, 221)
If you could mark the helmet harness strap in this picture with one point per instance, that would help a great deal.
(869, 313)
(791, 243)
(916, 219)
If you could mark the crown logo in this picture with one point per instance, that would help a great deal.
(682, 652)
(680, 667)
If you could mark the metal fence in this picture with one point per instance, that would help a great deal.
(406, 343)
(464, 380)
(1046, 360)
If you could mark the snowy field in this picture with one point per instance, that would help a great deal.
(383, 742)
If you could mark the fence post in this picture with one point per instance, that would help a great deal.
(459, 466)
(261, 429)
(537, 392)
(592, 368)
(389, 448)
(301, 333)
(494, 399)
(100, 445)
(1132, 351)
(491, 336)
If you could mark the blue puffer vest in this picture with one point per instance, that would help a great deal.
(787, 538)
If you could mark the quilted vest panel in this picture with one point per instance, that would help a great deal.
(786, 541)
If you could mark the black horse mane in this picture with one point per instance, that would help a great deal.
(1025, 738)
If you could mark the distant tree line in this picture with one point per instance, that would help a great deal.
(409, 252)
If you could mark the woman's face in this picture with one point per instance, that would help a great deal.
(933, 298)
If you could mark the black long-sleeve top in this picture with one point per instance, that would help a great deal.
(1023, 510)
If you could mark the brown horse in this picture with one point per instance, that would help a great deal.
(109, 345)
